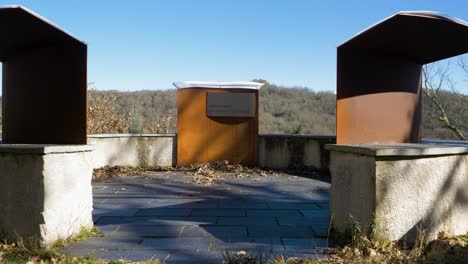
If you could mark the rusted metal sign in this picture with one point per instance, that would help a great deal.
(202, 138)
(230, 104)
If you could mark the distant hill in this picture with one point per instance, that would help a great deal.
(282, 110)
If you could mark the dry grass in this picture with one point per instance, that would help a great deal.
(204, 174)
(102, 115)
(446, 249)
(31, 252)
(244, 257)
(209, 173)
(107, 172)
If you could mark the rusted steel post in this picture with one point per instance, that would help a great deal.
(44, 81)
(379, 75)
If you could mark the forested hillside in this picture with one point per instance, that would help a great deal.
(282, 110)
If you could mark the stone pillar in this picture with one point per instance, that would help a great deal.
(398, 189)
(45, 191)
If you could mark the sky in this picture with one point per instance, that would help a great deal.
(148, 44)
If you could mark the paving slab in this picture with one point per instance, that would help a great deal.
(177, 244)
(280, 231)
(243, 205)
(159, 220)
(249, 244)
(164, 212)
(123, 201)
(218, 212)
(227, 232)
(290, 205)
(166, 216)
(116, 243)
(273, 212)
(209, 205)
(302, 221)
(114, 211)
(138, 231)
(315, 213)
(252, 220)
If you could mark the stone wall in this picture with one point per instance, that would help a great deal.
(281, 151)
(134, 149)
(278, 151)
(45, 191)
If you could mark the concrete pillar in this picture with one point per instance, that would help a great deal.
(45, 191)
(400, 188)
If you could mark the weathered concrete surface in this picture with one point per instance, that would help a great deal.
(276, 151)
(417, 150)
(282, 151)
(353, 188)
(430, 193)
(134, 149)
(45, 191)
(400, 191)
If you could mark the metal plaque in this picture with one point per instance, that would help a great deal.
(230, 104)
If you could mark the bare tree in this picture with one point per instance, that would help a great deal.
(436, 79)
(463, 63)
(102, 115)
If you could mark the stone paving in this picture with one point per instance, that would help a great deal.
(166, 216)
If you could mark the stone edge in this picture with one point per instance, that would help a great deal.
(130, 135)
(43, 149)
(399, 149)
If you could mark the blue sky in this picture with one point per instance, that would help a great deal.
(136, 45)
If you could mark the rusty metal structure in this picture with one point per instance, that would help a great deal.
(225, 135)
(379, 75)
(44, 80)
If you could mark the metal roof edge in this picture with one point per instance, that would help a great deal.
(422, 13)
(219, 85)
(45, 20)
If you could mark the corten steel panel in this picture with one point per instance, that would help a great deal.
(44, 81)
(230, 104)
(203, 139)
(379, 76)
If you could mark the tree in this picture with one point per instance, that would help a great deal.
(102, 114)
(437, 78)
(463, 63)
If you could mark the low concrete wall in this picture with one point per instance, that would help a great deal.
(400, 188)
(278, 151)
(45, 191)
(134, 149)
(282, 151)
